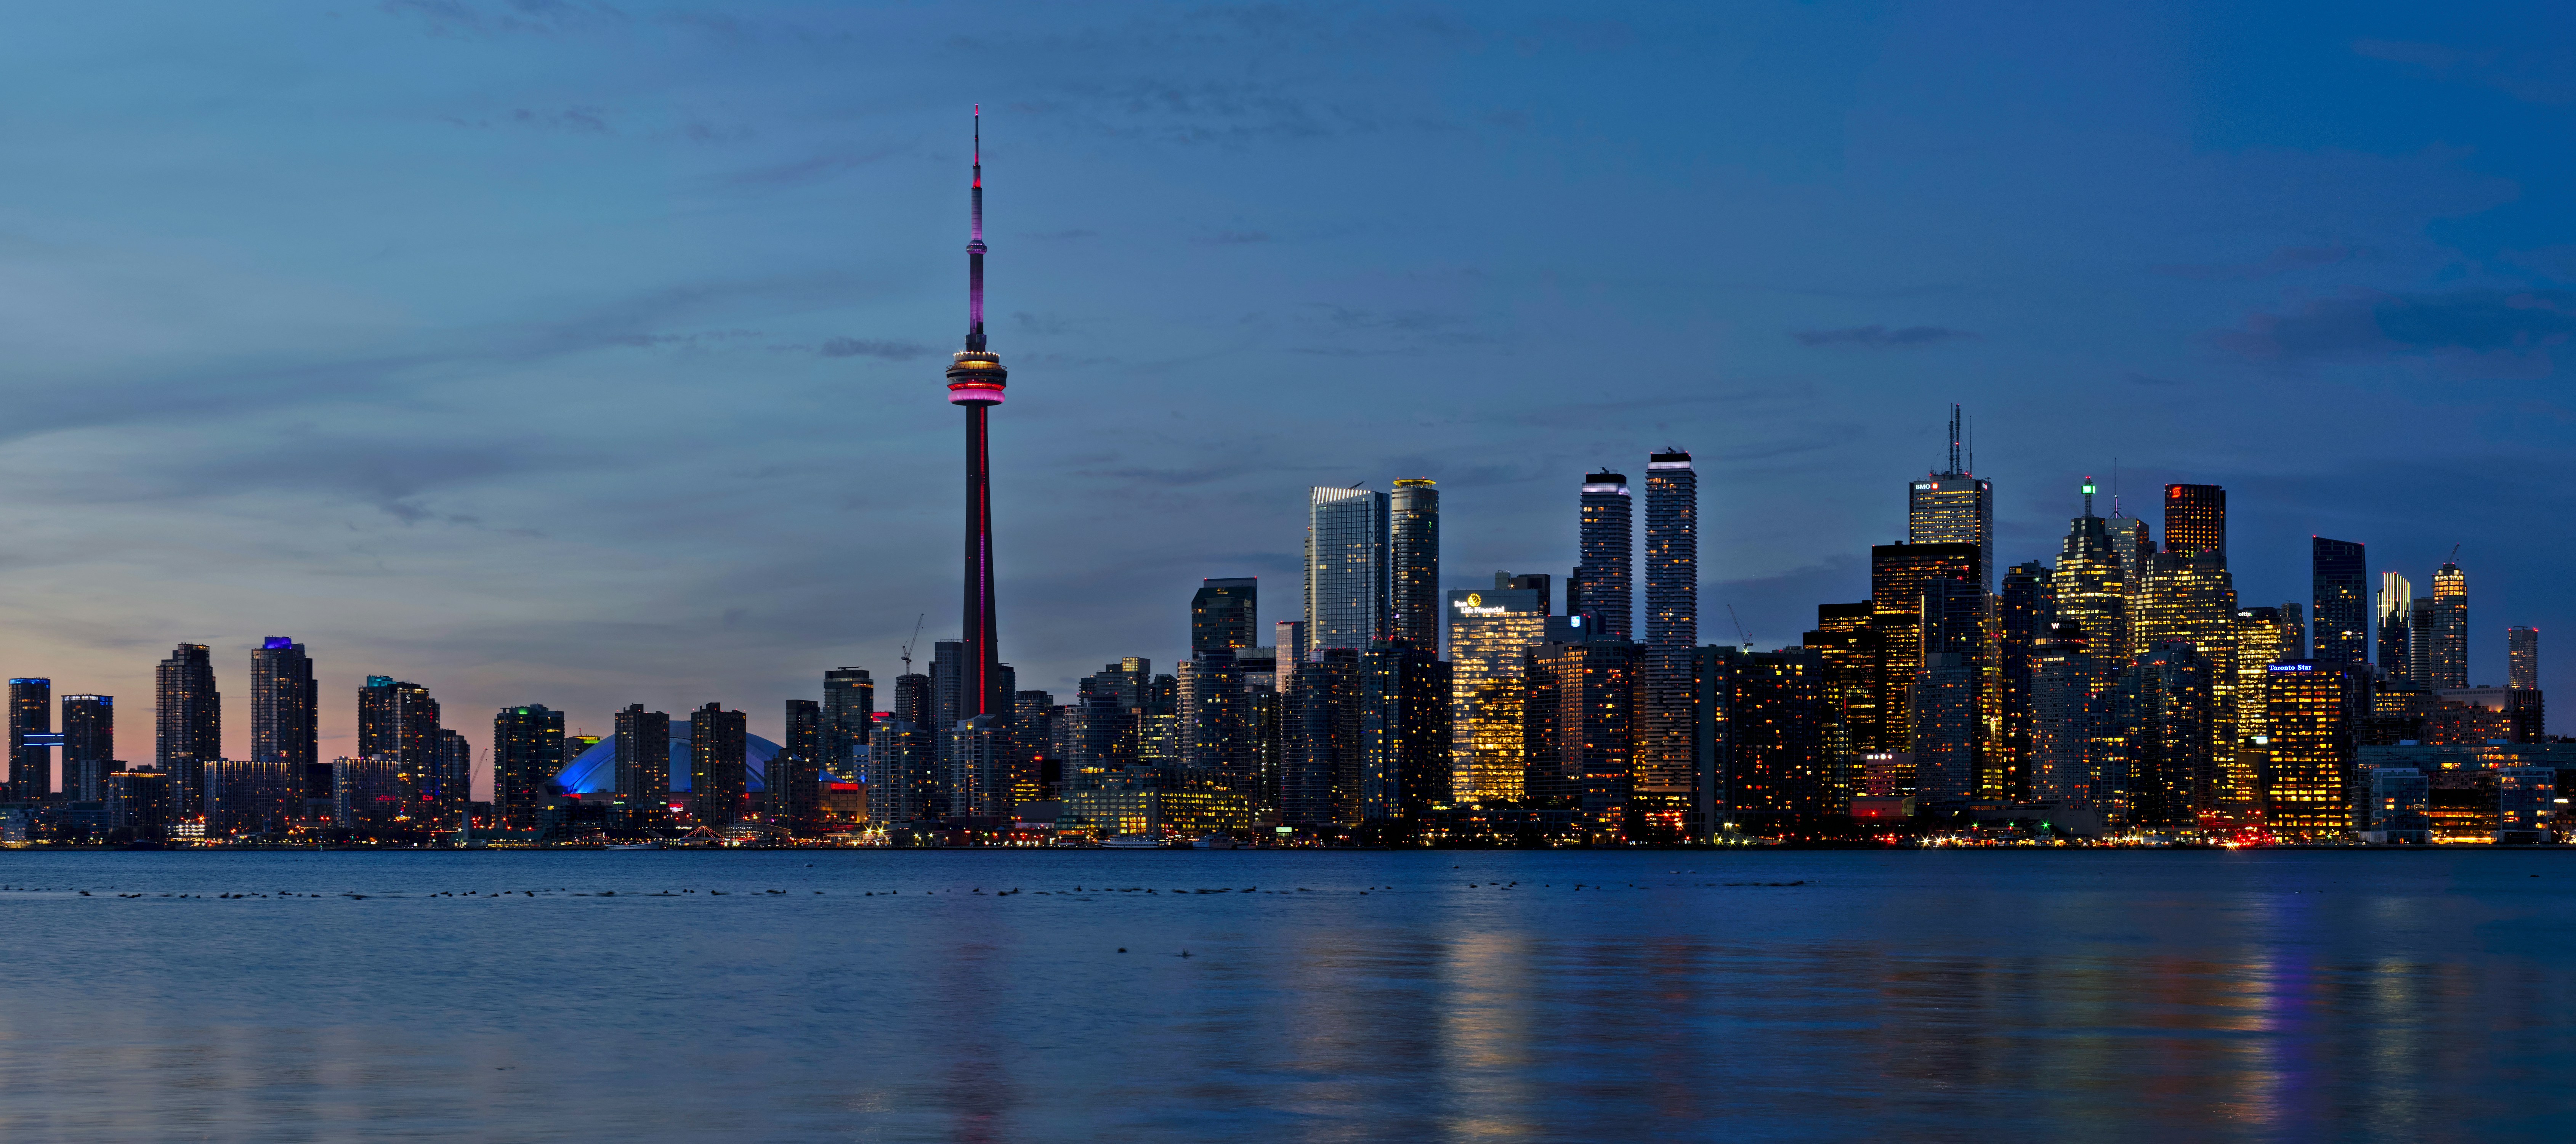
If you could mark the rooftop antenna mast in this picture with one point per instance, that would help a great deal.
(1954, 439)
(916, 638)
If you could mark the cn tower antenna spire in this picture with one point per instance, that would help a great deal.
(976, 380)
(975, 249)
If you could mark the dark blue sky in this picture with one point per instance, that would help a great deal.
(583, 354)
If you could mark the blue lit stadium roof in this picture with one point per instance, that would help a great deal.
(596, 769)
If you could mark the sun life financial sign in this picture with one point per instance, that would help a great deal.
(1474, 605)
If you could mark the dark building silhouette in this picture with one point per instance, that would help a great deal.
(2024, 607)
(643, 763)
(1404, 731)
(795, 779)
(89, 745)
(1413, 563)
(187, 725)
(2522, 658)
(2162, 704)
(1584, 714)
(285, 713)
(527, 753)
(2396, 612)
(1322, 755)
(31, 764)
(849, 713)
(912, 700)
(719, 785)
(2339, 612)
(1222, 614)
(1764, 735)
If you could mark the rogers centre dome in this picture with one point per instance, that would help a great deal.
(596, 769)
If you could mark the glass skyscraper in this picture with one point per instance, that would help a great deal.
(719, 758)
(2339, 611)
(31, 712)
(1222, 614)
(89, 745)
(1347, 568)
(1413, 550)
(527, 750)
(2442, 630)
(1954, 507)
(2396, 626)
(1604, 584)
(1667, 755)
(849, 710)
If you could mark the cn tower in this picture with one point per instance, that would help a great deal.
(976, 381)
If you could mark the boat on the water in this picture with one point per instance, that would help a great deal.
(1214, 842)
(1131, 842)
(656, 844)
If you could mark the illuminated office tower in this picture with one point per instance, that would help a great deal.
(1288, 642)
(1897, 575)
(2188, 597)
(89, 745)
(1847, 662)
(643, 763)
(2130, 545)
(188, 725)
(2340, 612)
(1413, 556)
(2196, 521)
(1347, 577)
(2263, 638)
(2442, 631)
(1603, 585)
(1214, 723)
(2311, 712)
(1583, 702)
(1491, 633)
(2092, 584)
(2023, 610)
(2522, 658)
(2162, 703)
(2396, 626)
(285, 713)
(1667, 756)
(527, 752)
(719, 762)
(1222, 614)
(1953, 507)
(31, 764)
(2063, 684)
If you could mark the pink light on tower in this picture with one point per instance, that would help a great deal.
(976, 380)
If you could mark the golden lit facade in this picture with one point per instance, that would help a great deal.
(1490, 635)
(2261, 638)
(2309, 748)
(2192, 600)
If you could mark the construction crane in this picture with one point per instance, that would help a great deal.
(916, 638)
(1740, 633)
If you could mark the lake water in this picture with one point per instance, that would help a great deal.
(1416, 996)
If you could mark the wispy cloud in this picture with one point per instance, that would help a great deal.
(871, 347)
(1881, 337)
(2482, 321)
(2279, 262)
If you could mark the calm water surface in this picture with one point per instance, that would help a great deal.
(1343, 996)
